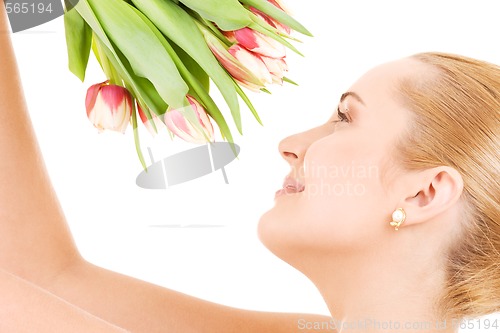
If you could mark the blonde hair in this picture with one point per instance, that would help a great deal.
(456, 115)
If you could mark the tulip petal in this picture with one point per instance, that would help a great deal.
(111, 107)
(92, 93)
(252, 62)
(227, 14)
(277, 68)
(238, 70)
(115, 96)
(259, 43)
(178, 123)
(202, 118)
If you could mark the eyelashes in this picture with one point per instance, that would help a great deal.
(343, 117)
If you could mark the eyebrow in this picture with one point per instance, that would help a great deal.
(352, 94)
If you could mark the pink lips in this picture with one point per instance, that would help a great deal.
(290, 186)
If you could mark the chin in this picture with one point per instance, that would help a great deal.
(283, 233)
(274, 232)
(267, 229)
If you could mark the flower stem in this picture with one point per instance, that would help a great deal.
(136, 138)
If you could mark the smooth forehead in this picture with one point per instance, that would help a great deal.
(379, 84)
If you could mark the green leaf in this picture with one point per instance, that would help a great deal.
(192, 66)
(140, 87)
(290, 81)
(78, 42)
(199, 90)
(107, 49)
(187, 109)
(96, 51)
(144, 89)
(142, 48)
(265, 24)
(106, 66)
(181, 28)
(227, 14)
(277, 14)
(106, 54)
(216, 31)
(247, 101)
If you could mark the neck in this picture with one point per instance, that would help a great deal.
(373, 292)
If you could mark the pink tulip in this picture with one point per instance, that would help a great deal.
(253, 61)
(254, 64)
(277, 68)
(244, 71)
(180, 126)
(109, 107)
(257, 42)
(148, 123)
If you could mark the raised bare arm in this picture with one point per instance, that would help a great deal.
(35, 242)
(26, 308)
(34, 236)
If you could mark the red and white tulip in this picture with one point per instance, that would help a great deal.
(109, 107)
(255, 59)
(234, 62)
(260, 75)
(276, 67)
(177, 122)
(257, 42)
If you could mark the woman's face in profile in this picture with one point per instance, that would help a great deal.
(335, 198)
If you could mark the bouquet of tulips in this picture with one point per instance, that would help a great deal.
(159, 57)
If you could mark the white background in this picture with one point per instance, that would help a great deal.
(113, 221)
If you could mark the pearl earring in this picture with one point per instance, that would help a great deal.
(398, 217)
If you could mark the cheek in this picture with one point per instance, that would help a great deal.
(342, 169)
(343, 193)
(342, 206)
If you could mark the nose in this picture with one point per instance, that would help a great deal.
(294, 147)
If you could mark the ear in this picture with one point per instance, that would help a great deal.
(434, 191)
